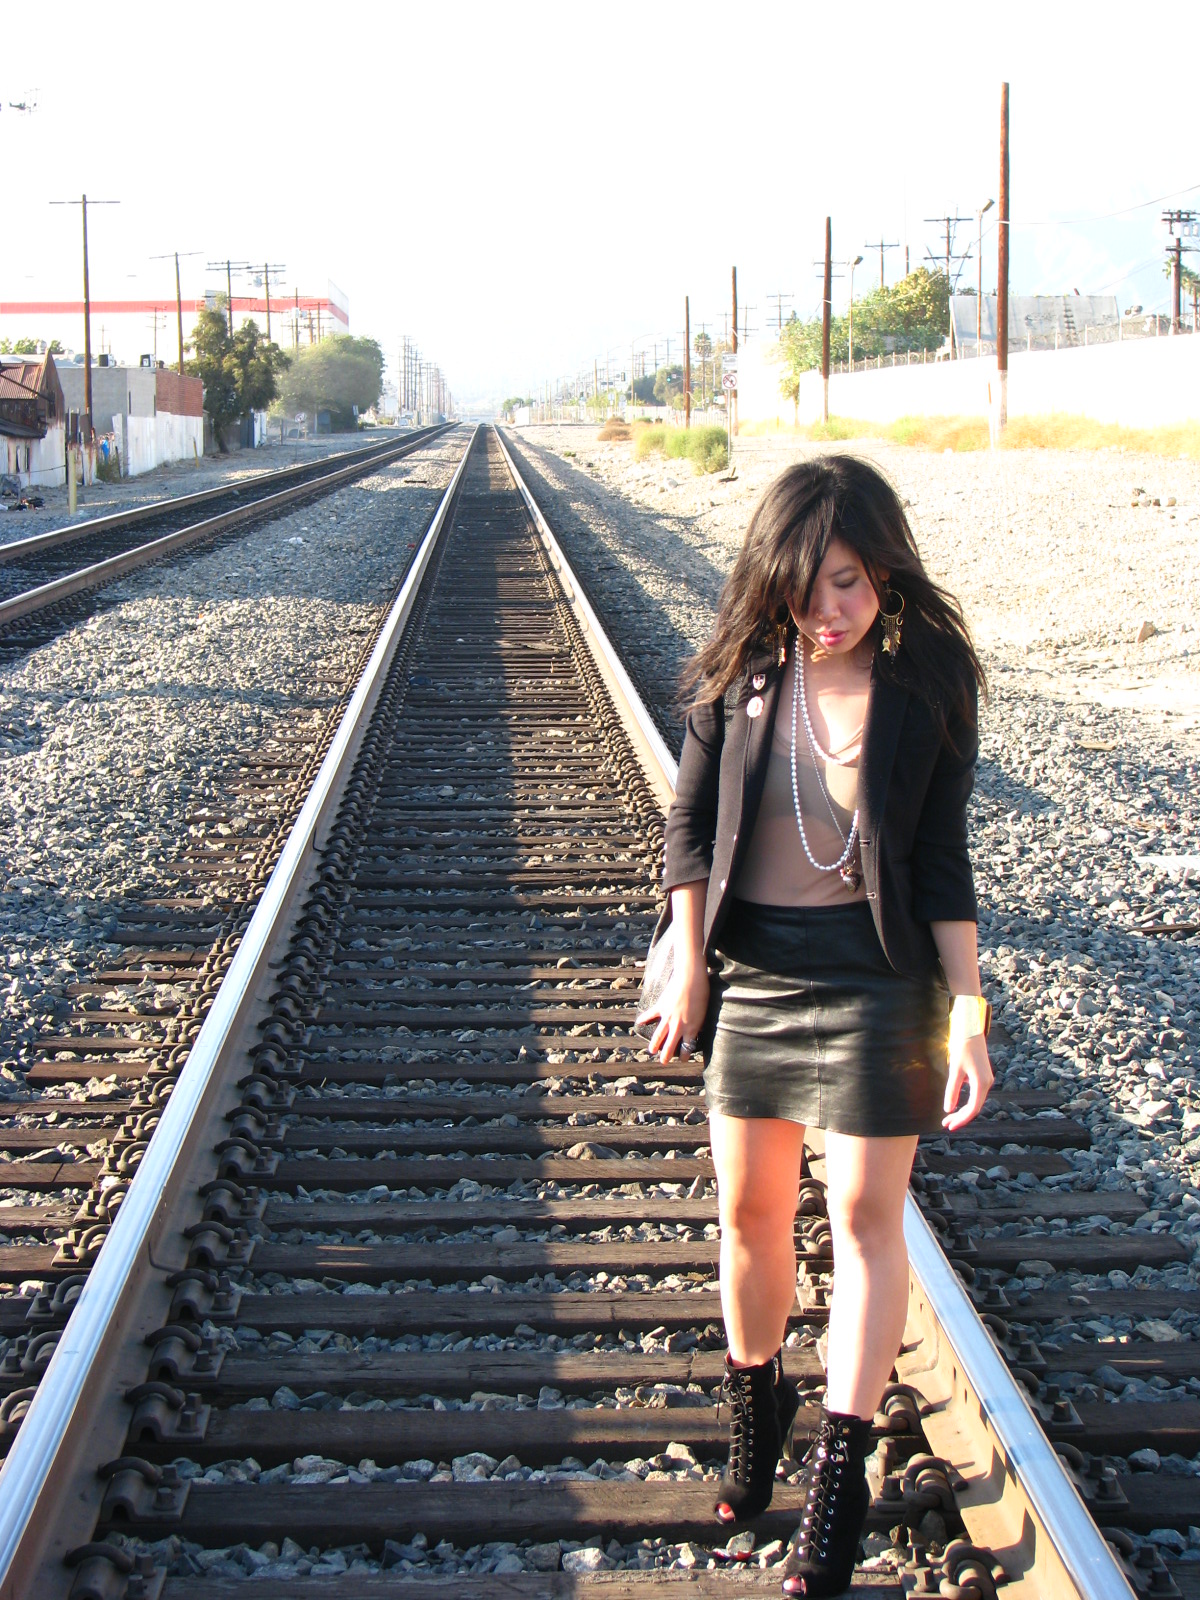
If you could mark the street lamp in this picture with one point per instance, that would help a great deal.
(857, 262)
(979, 265)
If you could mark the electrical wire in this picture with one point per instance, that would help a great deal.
(1104, 216)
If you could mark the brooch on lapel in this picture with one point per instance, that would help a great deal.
(759, 680)
(754, 707)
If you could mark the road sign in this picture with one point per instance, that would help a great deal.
(729, 381)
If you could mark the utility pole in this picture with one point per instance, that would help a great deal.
(826, 313)
(87, 308)
(269, 267)
(1002, 230)
(687, 362)
(167, 256)
(230, 269)
(950, 223)
(779, 299)
(1186, 222)
(881, 245)
(731, 397)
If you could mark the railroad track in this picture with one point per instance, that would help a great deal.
(133, 1019)
(417, 1272)
(42, 577)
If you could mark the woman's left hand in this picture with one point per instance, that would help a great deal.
(973, 1068)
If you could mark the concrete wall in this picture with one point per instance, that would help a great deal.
(114, 390)
(38, 463)
(148, 442)
(1138, 383)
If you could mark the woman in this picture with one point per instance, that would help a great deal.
(824, 915)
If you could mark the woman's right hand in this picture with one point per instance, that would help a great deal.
(681, 1010)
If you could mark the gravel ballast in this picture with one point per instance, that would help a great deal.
(114, 735)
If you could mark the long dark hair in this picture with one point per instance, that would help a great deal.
(800, 513)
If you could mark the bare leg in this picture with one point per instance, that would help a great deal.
(867, 1179)
(758, 1179)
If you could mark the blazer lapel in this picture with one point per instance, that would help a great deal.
(886, 704)
(758, 744)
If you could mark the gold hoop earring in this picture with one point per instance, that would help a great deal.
(892, 621)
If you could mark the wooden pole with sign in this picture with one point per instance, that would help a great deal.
(826, 308)
(687, 361)
(1002, 269)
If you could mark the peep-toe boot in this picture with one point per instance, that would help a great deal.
(762, 1404)
(836, 1501)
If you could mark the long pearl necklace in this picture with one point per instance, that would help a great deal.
(850, 876)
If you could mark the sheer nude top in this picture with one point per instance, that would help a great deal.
(776, 871)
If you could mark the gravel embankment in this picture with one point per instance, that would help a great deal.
(176, 478)
(1086, 814)
(113, 734)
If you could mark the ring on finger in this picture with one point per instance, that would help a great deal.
(686, 1046)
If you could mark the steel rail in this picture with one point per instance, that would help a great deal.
(988, 1425)
(19, 549)
(63, 1393)
(101, 572)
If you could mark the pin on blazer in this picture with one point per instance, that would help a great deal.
(913, 791)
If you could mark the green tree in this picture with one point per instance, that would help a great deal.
(913, 314)
(337, 375)
(668, 385)
(240, 373)
(643, 388)
(511, 404)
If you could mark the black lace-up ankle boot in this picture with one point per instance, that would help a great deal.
(762, 1404)
(836, 1501)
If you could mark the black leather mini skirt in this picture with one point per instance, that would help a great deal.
(809, 1021)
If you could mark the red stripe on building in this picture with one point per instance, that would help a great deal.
(48, 308)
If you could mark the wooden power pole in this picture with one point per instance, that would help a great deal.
(1002, 232)
(731, 395)
(687, 362)
(826, 313)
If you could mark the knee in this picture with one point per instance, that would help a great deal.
(751, 1215)
(861, 1223)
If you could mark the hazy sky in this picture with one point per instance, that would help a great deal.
(522, 188)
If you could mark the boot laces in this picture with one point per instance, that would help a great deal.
(826, 1463)
(736, 1389)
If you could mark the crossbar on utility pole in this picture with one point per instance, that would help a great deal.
(87, 308)
(1002, 231)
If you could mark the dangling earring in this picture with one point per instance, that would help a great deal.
(781, 638)
(892, 621)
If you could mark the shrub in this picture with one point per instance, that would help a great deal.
(614, 428)
(705, 447)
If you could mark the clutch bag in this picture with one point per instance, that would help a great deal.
(660, 964)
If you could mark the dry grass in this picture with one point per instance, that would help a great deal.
(615, 429)
(1054, 431)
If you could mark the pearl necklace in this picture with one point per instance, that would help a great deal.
(850, 876)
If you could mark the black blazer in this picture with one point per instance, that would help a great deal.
(912, 798)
